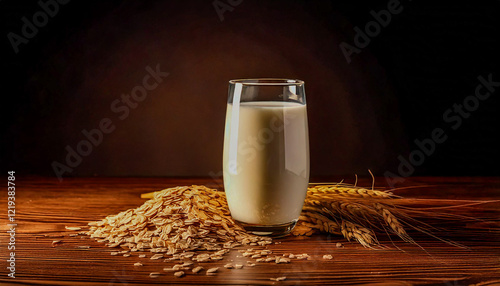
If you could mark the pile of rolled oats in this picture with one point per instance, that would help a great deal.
(182, 223)
(176, 220)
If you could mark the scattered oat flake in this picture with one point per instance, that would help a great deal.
(302, 256)
(115, 253)
(202, 259)
(179, 274)
(269, 259)
(278, 278)
(142, 255)
(188, 254)
(339, 245)
(138, 264)
(327, 256)
(157, 256)
(72, 227)
(197, 269)
(229, 266)
(54, 242)
(238, 266)
(126, 255)
(83, 246)
(154, 274)
(177, 267)
(213, 270)
(251, 264)
(280, 259)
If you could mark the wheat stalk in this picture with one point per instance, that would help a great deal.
(361, 234)
(352, 211)
(349, 191)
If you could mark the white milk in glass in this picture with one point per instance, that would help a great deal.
(266, 161)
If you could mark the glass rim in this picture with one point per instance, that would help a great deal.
(267, 81)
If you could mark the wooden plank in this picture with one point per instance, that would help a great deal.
(44, 207)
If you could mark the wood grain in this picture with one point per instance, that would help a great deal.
(45, 206)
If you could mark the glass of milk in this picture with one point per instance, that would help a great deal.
(266, 154)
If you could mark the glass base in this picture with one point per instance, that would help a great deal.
(277, 230)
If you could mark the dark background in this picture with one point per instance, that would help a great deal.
(362, 115)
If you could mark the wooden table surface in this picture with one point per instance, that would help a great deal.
(44, 206)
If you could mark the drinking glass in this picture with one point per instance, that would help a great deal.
(266, 154)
